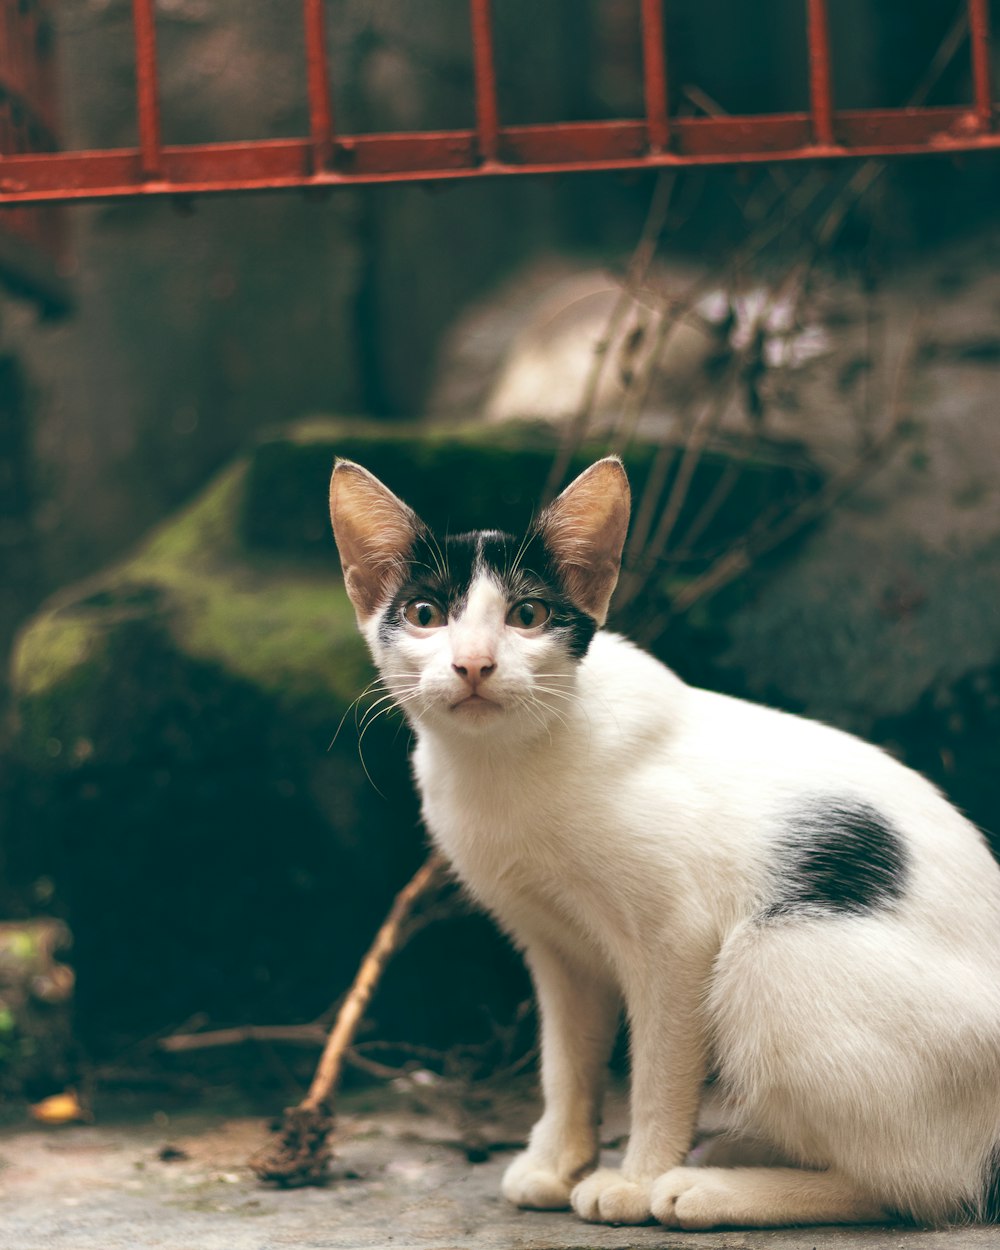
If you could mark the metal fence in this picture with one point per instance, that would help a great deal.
(30, 239)
(327, 158)
(33, 172)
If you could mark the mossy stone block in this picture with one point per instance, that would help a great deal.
(461, 477)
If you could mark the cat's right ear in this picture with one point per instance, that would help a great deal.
(375, 533)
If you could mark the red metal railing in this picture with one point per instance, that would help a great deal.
(29, 238)
(331, 160)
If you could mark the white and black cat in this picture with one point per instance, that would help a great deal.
(769, 899)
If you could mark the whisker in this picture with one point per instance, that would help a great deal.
(389, 703)
(384, 706)
(352, 707)
(361, 738)
(531, 707)
(434, 571)
(386, 703)
(569, 696)
(364, 765)
(439, 557)
(528, 535)
(533, 703)
(373, 713)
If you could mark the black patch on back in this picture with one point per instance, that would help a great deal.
(444, 571)
(838, 857)
(989, 1208)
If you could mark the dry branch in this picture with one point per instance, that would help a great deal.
(638, 268)
(292, 1034)
(302, 1154)
(740, 558)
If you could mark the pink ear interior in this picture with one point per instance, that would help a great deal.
(374, 531)
(585, 531)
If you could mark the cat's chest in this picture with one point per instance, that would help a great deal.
(534, 846)
(471, 807)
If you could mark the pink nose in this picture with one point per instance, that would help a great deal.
(474, 668)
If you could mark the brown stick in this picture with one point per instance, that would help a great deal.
(353, 1007)
(302, 1155)
(289, 1034)
(293, 1034)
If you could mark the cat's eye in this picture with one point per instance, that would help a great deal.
(423, 614)
(528, 613)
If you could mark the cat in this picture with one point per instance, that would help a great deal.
(768, 899)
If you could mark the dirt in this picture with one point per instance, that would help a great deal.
(181, 1182)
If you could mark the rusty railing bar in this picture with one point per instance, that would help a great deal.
(820, 99)
(147, 89)
(979, 47)
(10, 65)
(484, 69)
(654, 75)
(260, 165)
(318, 86)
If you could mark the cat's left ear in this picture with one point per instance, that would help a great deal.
(375, 533)
(584, 530)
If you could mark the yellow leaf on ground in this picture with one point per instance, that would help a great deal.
(62, 1108)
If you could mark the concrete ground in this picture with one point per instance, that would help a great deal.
(180, 1182)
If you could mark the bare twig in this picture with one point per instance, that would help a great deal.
(638, 267)
(427, 877)
(302, 1154)
(738, 559)
(704, 424)
(712, 108)
(649, 542)
(314, 1035)
(293, 1034)
(871, 170)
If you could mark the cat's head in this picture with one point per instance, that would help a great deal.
(481, 632)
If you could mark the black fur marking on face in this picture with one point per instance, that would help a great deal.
(444, 572)
(527, 571)
(838, 857)
(439, 572)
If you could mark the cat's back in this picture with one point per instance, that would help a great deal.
(639, 717)
(748, 765)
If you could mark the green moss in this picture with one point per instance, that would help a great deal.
(471, 476)
(290, 632)
(205, 530)
(292, 636)
(59, 669)
(48, 652)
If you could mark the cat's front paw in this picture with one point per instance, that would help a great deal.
(607, 1197)
(692, 1198)
(530, 1182)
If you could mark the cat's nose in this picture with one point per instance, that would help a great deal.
(474, 668)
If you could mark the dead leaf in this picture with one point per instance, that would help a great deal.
(61, 1108)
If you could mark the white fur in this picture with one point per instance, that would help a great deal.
(619, 825)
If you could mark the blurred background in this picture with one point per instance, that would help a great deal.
(799, 363)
